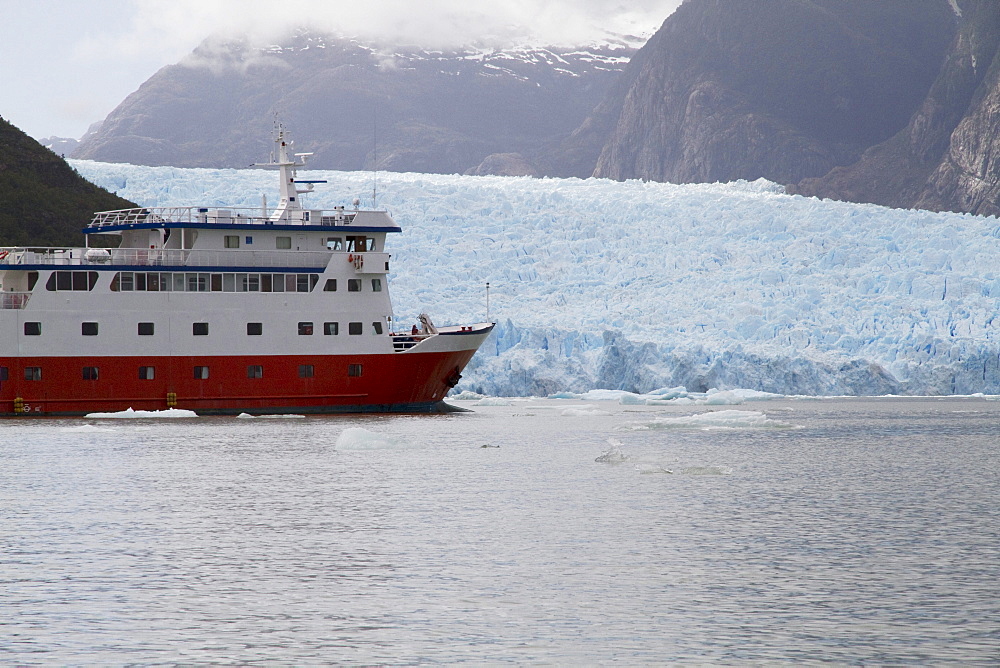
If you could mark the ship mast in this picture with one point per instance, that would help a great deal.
(289, 206)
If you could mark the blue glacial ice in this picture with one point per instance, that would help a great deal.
(634, 286)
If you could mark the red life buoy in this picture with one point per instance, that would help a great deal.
(4, 254)
(350, 258)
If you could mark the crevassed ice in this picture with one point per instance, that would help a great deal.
(634, 286)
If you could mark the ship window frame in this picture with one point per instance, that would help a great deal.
(355, 370)
(32, 373)
(331, 328)
(142, 327)
(147, 373)
(89, 329)
(305, 328)
(330, 285)
(283, 243)
(377, 328)
(4, 373)
(32, 280)
(91, 373)
(32, 328)
(355, 328)
(255, 371)
(201, 373)
(231, 241)
(354, 285)
(335, 243)
(376, 285)
(199, 329)
(307, 371)
(255, 329)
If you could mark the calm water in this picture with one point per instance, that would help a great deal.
(848, 531)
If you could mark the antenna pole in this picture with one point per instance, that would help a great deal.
(487, 301)
(375, 156)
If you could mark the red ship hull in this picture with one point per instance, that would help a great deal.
(395, 382)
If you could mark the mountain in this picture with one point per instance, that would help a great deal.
(360, 106)
(780, 89)
(45, 201)
(948, 155)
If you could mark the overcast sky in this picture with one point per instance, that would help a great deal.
(65, 64)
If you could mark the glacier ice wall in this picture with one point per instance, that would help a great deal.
(603, 284)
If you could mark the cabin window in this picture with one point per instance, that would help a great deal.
(305, 329)
(302, 283)
(283, 243)
(229, 283)
(199, 328)
(32, 279)
(146, 329)
(78, 281)
(201, 372)
(197, 282)
(147, 372)
(376, 285)
(88, 328)
(335, 243)
(265, 283)
(377, 327)
(354, 370)
(90, 373)
(3, 373)
(251, 282)
(255, 371)
(331, 285)
(32, 373)
(255, 328)
(216, 282)
(232, 241)
(249, 240)
(354, 328)
(354, 285)
(306, 371)
(32, 329)
(331, 328)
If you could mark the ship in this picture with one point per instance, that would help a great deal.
(222, 311)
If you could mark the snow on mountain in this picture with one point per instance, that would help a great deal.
(637, 286)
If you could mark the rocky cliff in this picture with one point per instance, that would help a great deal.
(947, 157)
(781, 89)
(359, 106)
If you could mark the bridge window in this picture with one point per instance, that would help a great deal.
(331, 285)
(377, 327)
(78, 281)
(335, 243)
(376, 285)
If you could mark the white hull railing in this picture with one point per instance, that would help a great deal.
(166, 257)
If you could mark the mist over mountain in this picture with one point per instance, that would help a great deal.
(359, 106)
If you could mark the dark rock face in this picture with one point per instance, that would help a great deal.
(946, 158)
(357, 106)
(781, 89)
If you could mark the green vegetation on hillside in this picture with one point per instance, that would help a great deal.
(43, 201)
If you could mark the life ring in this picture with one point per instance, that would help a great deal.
(4, 254)
(350, 258)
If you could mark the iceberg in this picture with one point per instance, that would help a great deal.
(633, 286)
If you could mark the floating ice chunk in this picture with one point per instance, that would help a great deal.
(647, 469)
(563, 395)
(614, 454)
(728, 419)
(724, 398)
(86, 429)
(582, 411)
(706, 470)
(493, 401)
(129, 413)
(467, 395)
(358, 438)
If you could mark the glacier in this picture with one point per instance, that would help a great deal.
(633, 286)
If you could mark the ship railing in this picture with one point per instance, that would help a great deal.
(171, 257)
(402, 341)
(14, 300)
(228, 216)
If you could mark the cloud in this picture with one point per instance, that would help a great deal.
(429, 23)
